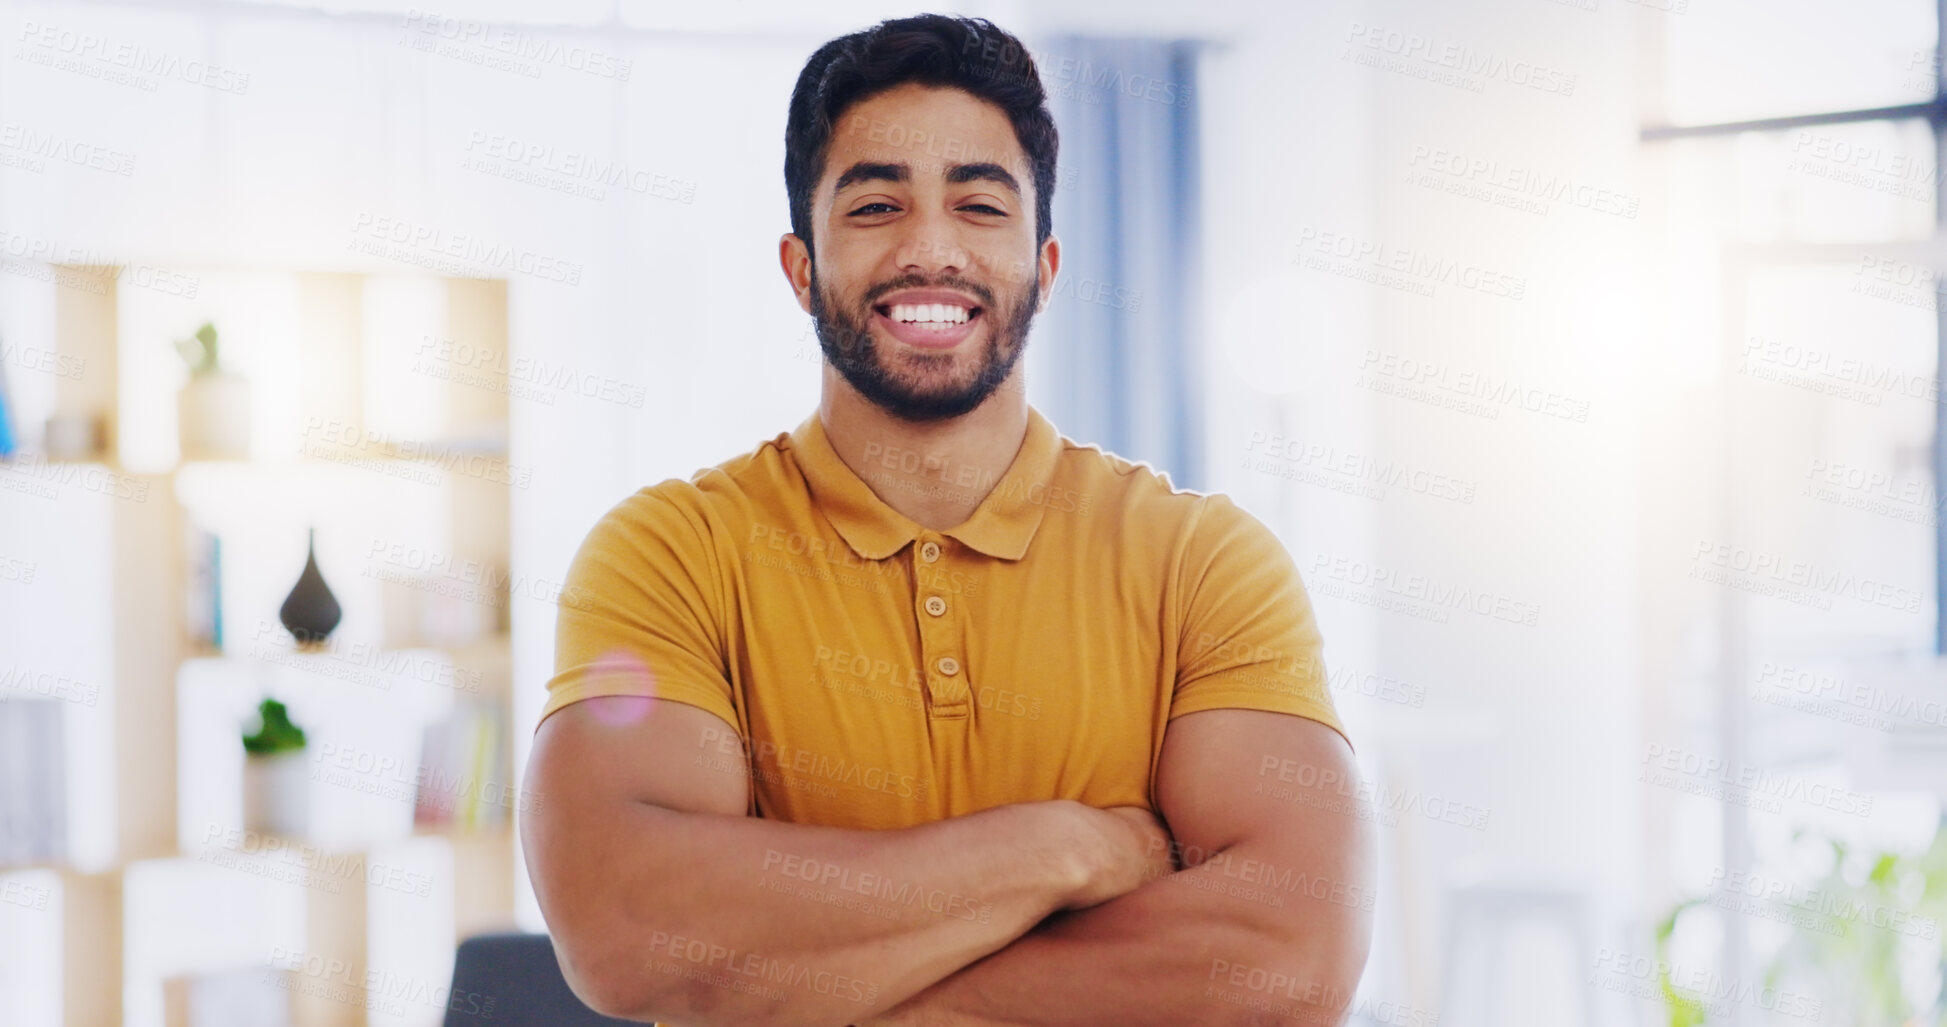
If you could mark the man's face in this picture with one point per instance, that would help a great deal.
(926, 275)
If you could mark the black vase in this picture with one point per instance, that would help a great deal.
(310, 612)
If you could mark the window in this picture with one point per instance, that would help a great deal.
(1797, 271)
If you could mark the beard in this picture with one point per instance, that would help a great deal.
(918, 386)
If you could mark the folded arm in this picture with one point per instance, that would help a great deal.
(666, 901)
(1274, 913)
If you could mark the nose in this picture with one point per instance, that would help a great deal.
(931, 248)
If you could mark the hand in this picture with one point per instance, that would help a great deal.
(1125, 847)
(1159, 847)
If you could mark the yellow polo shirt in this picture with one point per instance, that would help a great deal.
(872, 673)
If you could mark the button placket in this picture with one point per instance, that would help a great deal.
(939, 639)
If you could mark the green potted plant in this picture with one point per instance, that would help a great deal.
(276, 789)
(1867, 937)
(213, 408)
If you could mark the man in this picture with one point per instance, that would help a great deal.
(873, 724)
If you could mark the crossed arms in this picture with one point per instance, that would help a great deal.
(667, 902)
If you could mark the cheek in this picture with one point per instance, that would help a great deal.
(1010, 270)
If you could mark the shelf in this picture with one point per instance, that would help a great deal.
(502, 834)
(155, 767)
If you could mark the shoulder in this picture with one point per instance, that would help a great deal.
(715, 496)
(1138, 494)
(689, 514)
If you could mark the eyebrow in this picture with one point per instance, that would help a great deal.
(900, 171)
(985, 170)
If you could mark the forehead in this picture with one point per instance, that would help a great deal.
(927, 127)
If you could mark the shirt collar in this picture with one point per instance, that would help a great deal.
(1001, 527)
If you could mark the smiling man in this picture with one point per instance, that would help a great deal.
(923, 713)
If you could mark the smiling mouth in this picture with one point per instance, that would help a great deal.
(937, 316)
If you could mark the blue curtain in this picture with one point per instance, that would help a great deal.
(1119, 364)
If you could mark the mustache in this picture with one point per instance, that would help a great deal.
(913, 281)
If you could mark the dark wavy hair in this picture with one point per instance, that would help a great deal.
(971, 54)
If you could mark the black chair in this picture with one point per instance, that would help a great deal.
(513, 980)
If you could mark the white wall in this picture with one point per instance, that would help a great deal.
(1531, 727)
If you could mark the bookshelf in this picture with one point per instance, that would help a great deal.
(375, 421)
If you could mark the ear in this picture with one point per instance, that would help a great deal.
(795, 257)
(1047, 267)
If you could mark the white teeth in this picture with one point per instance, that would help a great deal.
(942, 313)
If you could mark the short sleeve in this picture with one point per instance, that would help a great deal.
(1249, 640)
(638, 611)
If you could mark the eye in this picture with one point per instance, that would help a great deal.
(867, 209)
(984, 209)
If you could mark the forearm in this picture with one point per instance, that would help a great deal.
(1213, 944)
(722, 919)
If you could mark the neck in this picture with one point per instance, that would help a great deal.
(936, 472)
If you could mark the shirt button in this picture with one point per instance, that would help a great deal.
(929, 551)
(948, 666)
(935, 605)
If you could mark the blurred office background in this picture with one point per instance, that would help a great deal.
(1584, 353)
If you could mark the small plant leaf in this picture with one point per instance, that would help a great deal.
(275, 733)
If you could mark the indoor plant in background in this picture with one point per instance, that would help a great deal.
(1869, 938)
(1875, 955)
(276, 791)
(213, 408)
